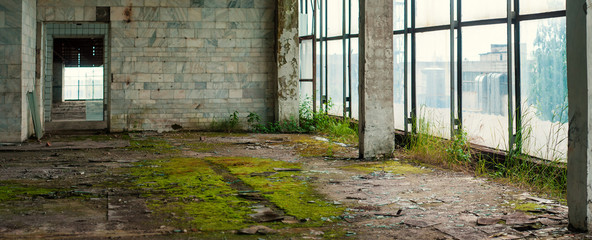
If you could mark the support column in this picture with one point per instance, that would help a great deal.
(287, 61)
(579, 83)
(17, 68)
(376, 127)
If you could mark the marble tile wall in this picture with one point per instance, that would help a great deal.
(185, 62)
(17, 67)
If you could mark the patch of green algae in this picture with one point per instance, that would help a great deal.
(529, 207)
(189, 188)
(309, 147)
(194, 196)
(206, 146)
(293, 194)
(151, 144)
(13, 191)
(394, 167)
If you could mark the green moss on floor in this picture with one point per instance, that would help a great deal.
(14, 191)
(529, 207)
(197, 196)
(152, 144)
(95, 138)
(191, 194)
(308, 147)
(394, 167)
(194, 135)
(287, 190)
(205, 146)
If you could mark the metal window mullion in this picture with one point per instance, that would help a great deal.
(510, 17)
(349, 68)
(452, 26)
(344, 56)
(321, 54)
(459, 64)
(517, 77)
(314, 58)
(413, 72)
(326, 94)
(405, 70)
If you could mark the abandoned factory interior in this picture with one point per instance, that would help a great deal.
(295, 119)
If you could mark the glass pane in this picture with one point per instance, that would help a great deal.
(306, 17)
(306, 58)
(433, 82)
(485, 85)
(544, 88)
(479, 9)
(334, 17)
(319, 80)
(335, 77)
(355, 63)
(83, 83)
(306, 93)
(398, 14)
(355, 16)
(537, 6)
(94, 110)
(399, 81)
(432, 13)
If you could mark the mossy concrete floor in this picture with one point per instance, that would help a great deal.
(213, 186)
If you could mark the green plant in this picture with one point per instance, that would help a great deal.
(253, 118)
(459, 150)
(309, 121)
(227, 125)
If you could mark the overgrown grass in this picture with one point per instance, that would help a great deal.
(343, 130)
(544, 176)
(426, 146)
(230, 124)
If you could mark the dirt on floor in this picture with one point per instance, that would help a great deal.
(251, 186)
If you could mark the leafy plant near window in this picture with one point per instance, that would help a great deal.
(309, 121)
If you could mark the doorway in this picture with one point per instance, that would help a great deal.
(76, 77)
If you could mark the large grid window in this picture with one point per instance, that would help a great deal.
(507, 85)
(329, 53)
(493, 69)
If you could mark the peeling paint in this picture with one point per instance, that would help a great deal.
(287, 60)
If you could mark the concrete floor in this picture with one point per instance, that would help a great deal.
(218, 186)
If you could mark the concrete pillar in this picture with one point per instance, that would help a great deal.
(17, 67)
(376, 78)
(579, 83)
(287, 61)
